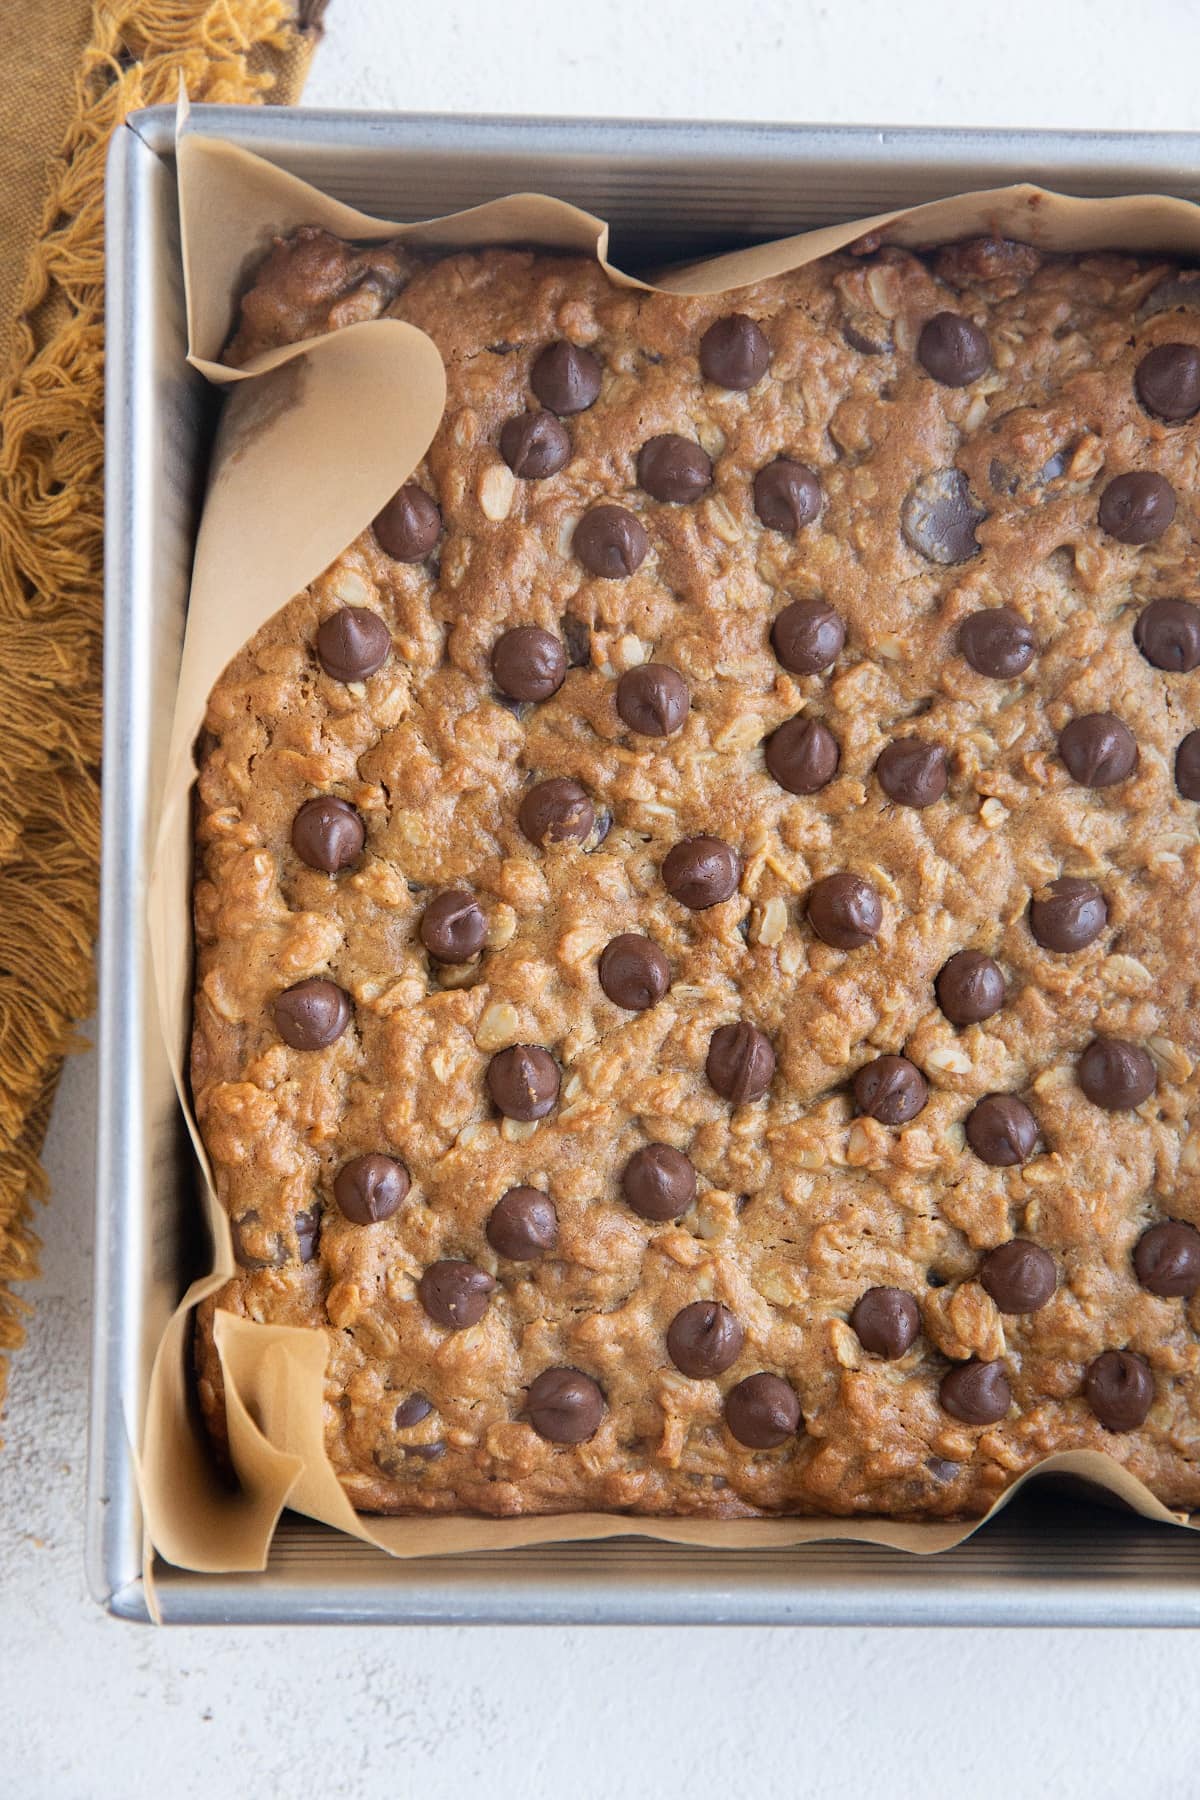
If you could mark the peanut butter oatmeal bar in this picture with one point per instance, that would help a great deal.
(697, 909)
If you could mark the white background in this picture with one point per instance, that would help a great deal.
(90, 1708)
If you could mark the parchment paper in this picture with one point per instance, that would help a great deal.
(313, 440)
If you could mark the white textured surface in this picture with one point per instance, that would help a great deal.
(91, 1709)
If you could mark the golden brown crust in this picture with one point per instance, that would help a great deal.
(801, 1207)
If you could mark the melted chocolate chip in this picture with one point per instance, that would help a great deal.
(997, 642)
(886, 1321)
(976, 1392)
(453, 928)
(564, 1406)
(802, 755)
(328, 834)
(633, 971)
(734, 353)
(1166, 1259)
(1167, 382)
(1067, 914)
(1137, 508)
(762, 1412)
(701, 872)
(455, 1294)
(912, 771)
(523, 1225)
(1167, 632)
(1099, 750)
(844, 910)
(808, 636)
(311, 1015)
(253, 1248)
(890, 1089)
(307, 1226)
(535, 445)
(1119, 1389)
(368, 1189)
(954, 350)
(565, 378)
(411, 1411)
(1001, 1131)
(787, 496)
(653, 699)
(938, 518)
(704, 1339)
(409, 526)
(741, 1063)
(528, 663)
(1187, 766)
(1019, 1276)
(1116, 1075)
(970, 988)
(658, 1182)
(577, 636)
(611, 542)
(523, 1082)
(674, 469)
(352, 643)
(556, 812)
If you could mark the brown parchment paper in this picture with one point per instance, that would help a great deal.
(314, 439)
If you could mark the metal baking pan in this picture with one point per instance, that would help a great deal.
(670, 190)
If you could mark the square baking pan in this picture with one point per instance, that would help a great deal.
(671, 191)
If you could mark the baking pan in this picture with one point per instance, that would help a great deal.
(670, 190)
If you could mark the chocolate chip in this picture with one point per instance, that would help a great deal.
(673, 468)
(802, 755)
(577, 636)
(658, 1182)
(409, 525)
(253, 1247)
(1119, 1389)
(1167, 382)
(1137, 508)
(1172, 293)
(565, 378)
(890, 1089)
(941, 1468)
(556, 812)
(1187, 766)
(844, 910)
(307, 1226)
(352, 643)
(912, 771)
(1099, 750)
(523, 1224)
(787, 496)
(523, 1082)
(1019, 1276)
(535, 445)
(938, 518)
(700, 872)
(808, 636)
(370, 1188)
(633, 971)
(970, 988)
(997, 642)
(311, 1015)
(976, 1392)
(455, 1294)
(653, 699)
(411, 1411)
(762, 1412)
(453, 928)
(328, 834)
(611, 542)
(1001, 1130)
(741, 1063)
(1067, 914)
(564, 1406)
(1116, 1075)
(704, 1339)
(1166, 1259)
(528, 663)
(886, 1321)
(1167, 632)
(734, 353)
(954, 350)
